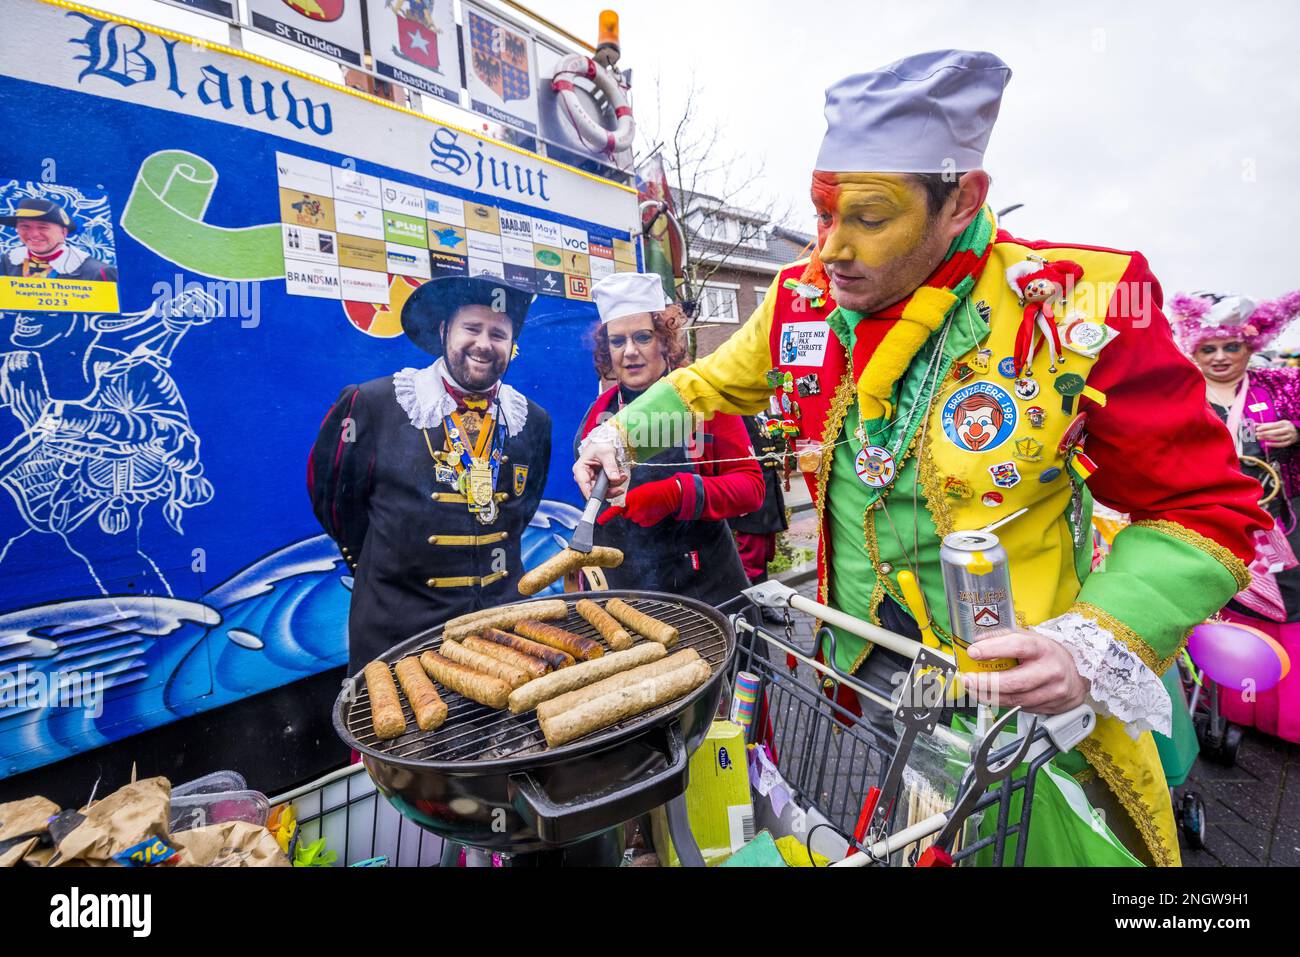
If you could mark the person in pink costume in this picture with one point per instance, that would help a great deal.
(1260, 405)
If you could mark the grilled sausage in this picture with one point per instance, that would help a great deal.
(429, 708)
(613, 633)
(535, 667)
(579, 676)
(385, 706)
(576, 645)
(565, 561)
(485, 664)
(551, 609)
(474, 685)
(548, 709)
(624, 703)
(554, 657)
(643, 624)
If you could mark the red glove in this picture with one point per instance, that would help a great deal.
(647, 504)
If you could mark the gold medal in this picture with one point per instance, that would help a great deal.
(480, 483)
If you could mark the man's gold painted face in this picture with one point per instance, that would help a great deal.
(871, 229)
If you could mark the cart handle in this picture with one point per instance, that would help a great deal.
(774, 594)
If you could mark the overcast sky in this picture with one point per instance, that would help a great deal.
(1169, 127)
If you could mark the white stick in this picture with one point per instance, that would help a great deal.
(882, 849)
(856, 626)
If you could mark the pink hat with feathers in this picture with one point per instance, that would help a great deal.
(1201, 317)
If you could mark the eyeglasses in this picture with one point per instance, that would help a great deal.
(642, 338)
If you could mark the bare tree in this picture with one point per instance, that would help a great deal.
(712, 182)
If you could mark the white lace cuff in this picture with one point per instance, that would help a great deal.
(1122, 686)
(606, 434)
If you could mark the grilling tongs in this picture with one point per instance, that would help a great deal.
(582, 535)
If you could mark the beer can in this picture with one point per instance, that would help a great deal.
(977, 584)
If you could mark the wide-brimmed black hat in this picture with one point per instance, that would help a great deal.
(437, 301)
(39, 211)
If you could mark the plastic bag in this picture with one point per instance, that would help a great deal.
(1065, 830)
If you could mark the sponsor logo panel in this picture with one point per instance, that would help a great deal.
(356, 187)
(300, 208)
(407, 261)
(444, 208)
(363, 285)
(358, 220)
(303, 175)
(310, 245)
(311, 279)
(360, 252)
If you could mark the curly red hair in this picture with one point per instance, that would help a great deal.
(668, 325)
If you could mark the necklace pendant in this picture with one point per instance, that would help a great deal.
(875, 466)
(480, 483)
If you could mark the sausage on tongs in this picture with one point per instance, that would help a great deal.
(565, 561)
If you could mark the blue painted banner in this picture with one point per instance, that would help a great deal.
(158, 555)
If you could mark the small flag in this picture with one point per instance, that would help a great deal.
(1081, 467)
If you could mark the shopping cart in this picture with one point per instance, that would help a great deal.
(357, 822)
(848, 771)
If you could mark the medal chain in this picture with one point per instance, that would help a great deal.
(931, 373)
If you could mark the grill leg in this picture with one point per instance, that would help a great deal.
(450, 854)
(679, 827)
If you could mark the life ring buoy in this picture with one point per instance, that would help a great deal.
(590, 129)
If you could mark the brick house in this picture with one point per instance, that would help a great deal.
(747, 252)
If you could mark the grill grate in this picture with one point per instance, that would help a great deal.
(474, 731)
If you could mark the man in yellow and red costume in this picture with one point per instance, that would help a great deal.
(953, 375)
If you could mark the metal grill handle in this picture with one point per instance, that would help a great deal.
(584, 815)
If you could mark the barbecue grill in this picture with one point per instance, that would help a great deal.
(485, 778)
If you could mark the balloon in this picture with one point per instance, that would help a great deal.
(1273, 643)
(1281, 654)
(1235, 657)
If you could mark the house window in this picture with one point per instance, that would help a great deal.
(719, 305)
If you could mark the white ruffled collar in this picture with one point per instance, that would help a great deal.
(425, 399)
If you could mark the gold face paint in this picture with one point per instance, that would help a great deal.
(869, 218)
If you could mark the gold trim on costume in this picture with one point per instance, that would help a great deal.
(936, 499)
(468, 539)
(465, 581)
(845, 394)
(455, 498)
(1143, 817)
(1231, 562)
(1132, 640)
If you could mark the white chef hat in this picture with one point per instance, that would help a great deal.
(627, 294)
(927, 113)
